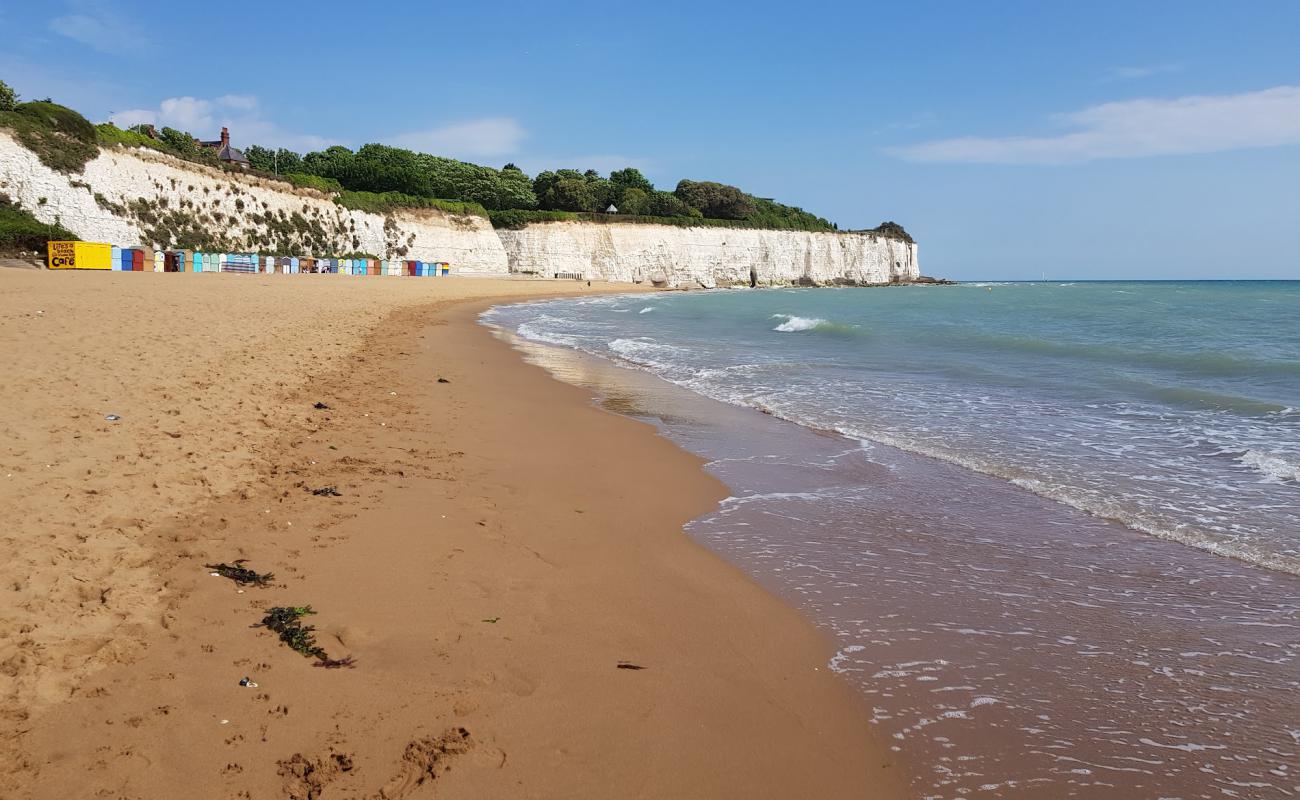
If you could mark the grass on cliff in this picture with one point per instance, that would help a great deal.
(21, 232)
(61, 138)
(109, 134)
(516, 219)
(388, 202)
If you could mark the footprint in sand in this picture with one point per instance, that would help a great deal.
(424, 760)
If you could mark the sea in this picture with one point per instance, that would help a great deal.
(1053, 528)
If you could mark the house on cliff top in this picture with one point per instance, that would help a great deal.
(225, 152)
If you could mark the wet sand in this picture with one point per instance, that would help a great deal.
(498, 554)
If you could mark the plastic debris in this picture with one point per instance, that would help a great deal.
(629, 665)
(443, 380)
(112, 417)
(248, 682)
(320, 406)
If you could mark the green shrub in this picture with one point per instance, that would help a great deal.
(515, 219)
(892, 230)
(109, 134)
(19, 230)
(387, 202)
(327, 185)
(8, 98)
(61, 138)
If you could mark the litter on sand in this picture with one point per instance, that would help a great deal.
(327, 491)
(320, 406)
(443, 380)
(629, 665)
(248, 682)
(112, 417)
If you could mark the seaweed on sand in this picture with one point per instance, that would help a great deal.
(286, 621)
(240, 574)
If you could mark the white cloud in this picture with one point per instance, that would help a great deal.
(205, 118)
(490, 136)
(98, 25)
(1136, 128)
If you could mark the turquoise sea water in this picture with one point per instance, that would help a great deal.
(1173, 408)
(1056, 537)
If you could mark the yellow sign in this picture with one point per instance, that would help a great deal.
(80, 255)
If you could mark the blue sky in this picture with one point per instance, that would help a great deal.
(1097, 140)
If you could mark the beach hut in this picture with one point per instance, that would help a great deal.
(80, 255)
(137, 259)
(115, 257)
(172, 260)
(159, 262)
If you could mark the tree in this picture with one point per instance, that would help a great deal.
(8, 97)
(516, 190)
(178, 140)
(631, 178)
(716, 200)
(634, 201)
(260, 158)
(570, 194)
(286, 161)
(667, 204)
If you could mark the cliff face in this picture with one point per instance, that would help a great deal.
(136, 197)
(707, 257)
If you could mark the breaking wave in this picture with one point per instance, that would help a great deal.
(794, 324)
(1272, 466)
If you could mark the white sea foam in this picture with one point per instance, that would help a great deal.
(837, 662)
(1274, 467)
(794, 324)
(646, 310)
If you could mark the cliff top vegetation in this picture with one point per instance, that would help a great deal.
(383, 179)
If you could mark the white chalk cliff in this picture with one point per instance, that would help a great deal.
(134, 197)
(707, 257)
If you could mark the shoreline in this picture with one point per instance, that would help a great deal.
(500, 545)
(986, 624)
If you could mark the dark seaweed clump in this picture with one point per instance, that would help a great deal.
(286, 621)
(240, 574)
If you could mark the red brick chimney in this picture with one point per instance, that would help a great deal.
(225, 137)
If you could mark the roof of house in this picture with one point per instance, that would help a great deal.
(229, 153)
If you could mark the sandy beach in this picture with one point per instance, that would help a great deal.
(503, 560)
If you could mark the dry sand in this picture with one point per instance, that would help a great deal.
(499, 547)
